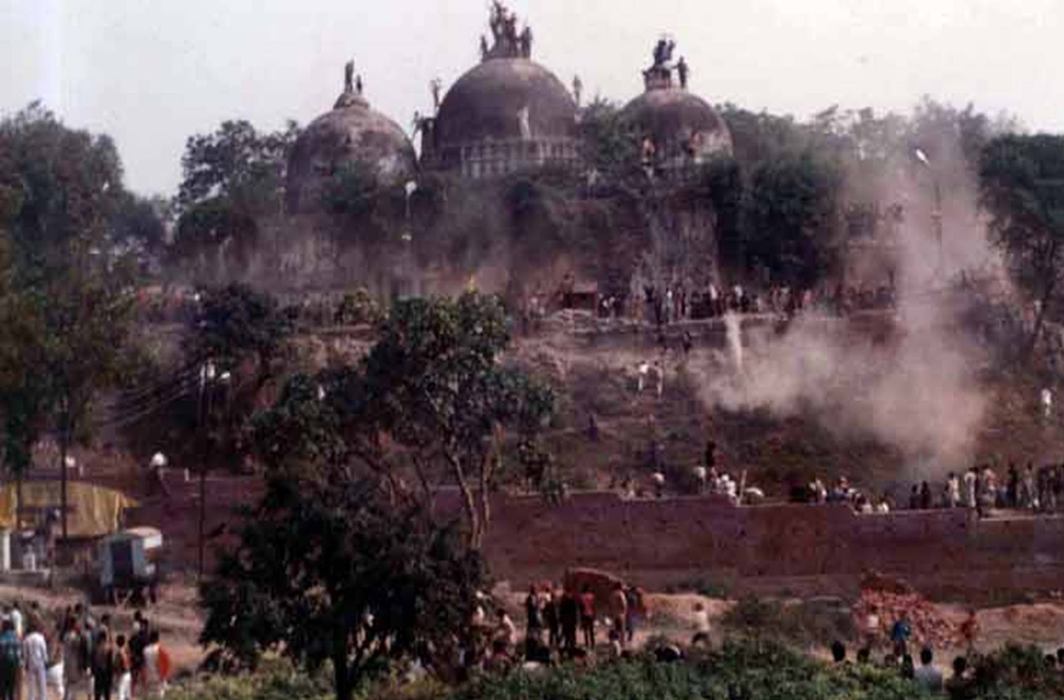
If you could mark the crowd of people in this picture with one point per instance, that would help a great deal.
(560, 624)
(677, 303)
(841, 491)
(925, 675)
(71, 654)
(662, 305)
(674, 303)
(704, 479)
(1039, 490)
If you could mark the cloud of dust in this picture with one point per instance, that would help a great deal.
(914, 388)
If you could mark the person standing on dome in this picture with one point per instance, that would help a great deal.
(525, 41)
(683, 71)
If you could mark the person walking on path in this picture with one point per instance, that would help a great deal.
(587, 616)
(10, 661)
(35, 656)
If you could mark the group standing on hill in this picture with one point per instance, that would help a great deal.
(959, 686)
(561, 623)
(978, 489)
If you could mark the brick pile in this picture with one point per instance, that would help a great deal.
(891, 599)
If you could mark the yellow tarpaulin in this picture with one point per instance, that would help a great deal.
(93, 511)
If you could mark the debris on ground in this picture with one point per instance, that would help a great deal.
(890, 599)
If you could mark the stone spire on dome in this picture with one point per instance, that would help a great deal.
(506, 42)
(659, 75)
(352, 94)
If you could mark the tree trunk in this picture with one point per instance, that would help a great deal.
(481, 525)
(468, 501)
(18, 500)
(63, 479)
(202, 520)
(1040, 319)
(341, 676)
(207, 454)
(482, 521)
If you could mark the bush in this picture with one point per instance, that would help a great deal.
(358, 307)
(1016, 672)
(736, 671)
(274, 681)
(802, 623)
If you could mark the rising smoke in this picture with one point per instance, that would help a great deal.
(915, 388)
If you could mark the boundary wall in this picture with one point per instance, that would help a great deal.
(781, 549)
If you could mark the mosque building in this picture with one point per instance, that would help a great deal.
(505, 115)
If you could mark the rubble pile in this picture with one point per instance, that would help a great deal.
(891, 599)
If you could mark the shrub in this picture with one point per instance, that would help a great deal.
(803, 623)
(274, 681)
(736, 671)
(1016, 672)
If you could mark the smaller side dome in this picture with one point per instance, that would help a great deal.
(676, 128)
(352, 132)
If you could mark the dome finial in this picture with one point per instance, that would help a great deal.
(352, 94)
(349, 73)
(659, 75)
(507, 43)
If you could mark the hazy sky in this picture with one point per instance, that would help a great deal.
(152, 72)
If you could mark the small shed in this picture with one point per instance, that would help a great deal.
(581, 295)
(128, 561)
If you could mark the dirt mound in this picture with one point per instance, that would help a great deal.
(601, 584)
(875, 581)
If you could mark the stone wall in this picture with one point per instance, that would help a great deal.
(781, 549)
(786, 548)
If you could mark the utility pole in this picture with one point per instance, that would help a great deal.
(209, 381)
(936, 214)
(207, 373)
(936, 222)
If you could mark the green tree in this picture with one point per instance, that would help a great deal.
(237, 324)
(139, 226)
(238, 336)
(1022, 187)
(232, 179)
(24, 390)
(244, 333)
(758, 137)
(334, 571)
(608, 143)
(66, 298)
(431, 403)
(793, 218)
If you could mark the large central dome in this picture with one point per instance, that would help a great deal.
(505, 114)
(503, 99)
